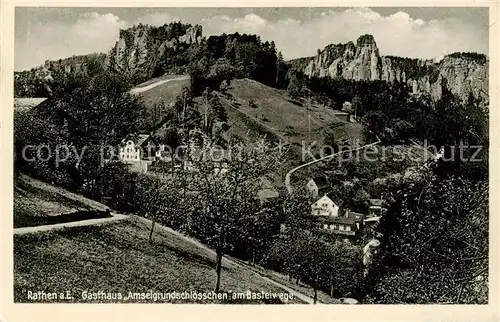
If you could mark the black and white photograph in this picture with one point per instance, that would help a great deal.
(267, 155)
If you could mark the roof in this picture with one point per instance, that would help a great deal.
(327, 197)
(138, 139)
(356, 216)
(267, 191)
(27, 102)
(340, 113)
(321, 182)
(337, 220)
(265, 194)
(376, 202)
(141, 138)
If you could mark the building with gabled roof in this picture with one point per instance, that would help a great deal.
(324, 207)
(317, 186)
(137, 147)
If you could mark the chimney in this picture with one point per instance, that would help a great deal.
(347, 213)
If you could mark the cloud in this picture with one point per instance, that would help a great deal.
(91, 32)
(157, 18)
(396, 34)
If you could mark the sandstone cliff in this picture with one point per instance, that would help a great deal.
(38, 81)
(462, 73)
(142, 50)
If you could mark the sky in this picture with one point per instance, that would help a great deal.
(423, 32)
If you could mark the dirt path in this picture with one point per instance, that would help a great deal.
(138, 90)
(89, 222)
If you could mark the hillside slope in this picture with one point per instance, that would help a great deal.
(120, 256)
(252, 105)
(256, 109)
(118, 259)
(38, 203)
(160, 92)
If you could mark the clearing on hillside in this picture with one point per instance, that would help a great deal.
(158, 94)
(256, 109)
(259, 109)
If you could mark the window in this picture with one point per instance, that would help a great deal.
(332, 227)
(325, 226)
(341, 227)
(325, 205)
(348, 228)
(317, 212)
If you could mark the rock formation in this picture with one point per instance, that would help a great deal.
(463, 73)
(141, 49)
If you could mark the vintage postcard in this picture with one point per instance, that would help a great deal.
(318, 160)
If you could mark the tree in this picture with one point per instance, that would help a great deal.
(375, 122)
(100, 115)
(403, 130)
(311, 258)
(295, 85)
(198, 71)
(330, 142)
(88, 120)
(220, 71)
(206, 111)
(173, 141)
(342, 259)
(435, 244)
(357, 106)
(156, 199)
(186, 115)
(228, 194)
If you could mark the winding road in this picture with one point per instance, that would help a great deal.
(288, 185)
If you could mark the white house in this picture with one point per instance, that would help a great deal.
(325, 206)
(136, 148)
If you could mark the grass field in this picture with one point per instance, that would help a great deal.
(163, 94)
(256, 109)
(118, 258)
(275, 111)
